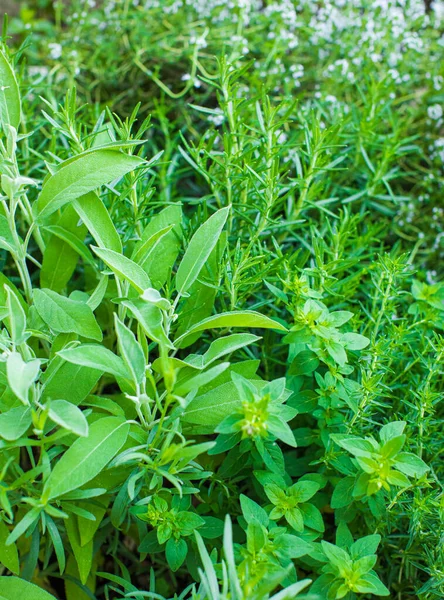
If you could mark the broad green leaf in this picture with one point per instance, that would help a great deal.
(82, 553)
(246, 318)
(279, 428)
(65, 315)
(17, 316)
(61, 257)
(9, 94)
(95, 300)
(15, 422)
(87, 172)
(73, 241)
(355, 341)
(68, 416)
(96, 218)
(202, 294)
(391, 430)
(6, 240)
(96, 357)
(343, 493)
(150, 319)
(161, 258)
(143, 250)
(212, 529)
(176, 552)
(73, 591)
(304, 363)
(131, 350)
(370, 584)
(199, 249)
(21, 375)
(411, 465)
(87, 528)
(227, 345)
(365, 546)
(6, 283)
(252, 512)
(8, 554)
(336, 556)
(87, 456)
(201, 379)
(211, 408)
(58, 377)
(14, 588)
(124, 268)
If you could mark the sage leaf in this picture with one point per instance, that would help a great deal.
(68, 416)
(95, 217)
(124, 268)
(87, 456)
(9, 94)
(85, 173)
(131, 350)
(21, 375)
(199, 249)
(246, 318)
(96, 357)
(65, 315)
(14, 588)
(15, 422)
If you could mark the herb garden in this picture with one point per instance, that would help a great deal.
(221, 300)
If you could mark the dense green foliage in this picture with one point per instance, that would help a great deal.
(221, 303)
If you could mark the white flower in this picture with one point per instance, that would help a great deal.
(55, 51)
(435, 112)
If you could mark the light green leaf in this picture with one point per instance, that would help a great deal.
(73, 241)
(202, 294)
(162, 256)
(96, 218)
(211, 408)
(8, 554)
(82, 554)
(96, 357)
(411, 465)
(14, 588)
(131, 350)
(60, 258)
(58, 377)
(17, 316)
(124, 268)
(355, 341)
(14, 423)
(176, 552)
(85, 173)
(9, 94)
(68, 416)
(201, 379)
(150, 319)
(6, 240)
(199, 249)
(246, 318)
(221, 347)
(143, 250)
(21, 375)
(65, 315)
(87, 457)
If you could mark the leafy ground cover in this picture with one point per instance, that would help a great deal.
(221, 300)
